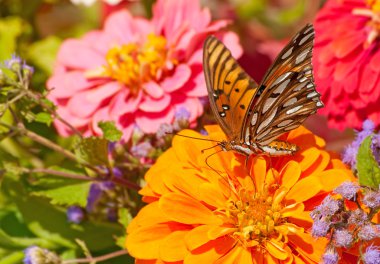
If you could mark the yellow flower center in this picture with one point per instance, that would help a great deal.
(134, 65)
(255, 215)
(373, 12)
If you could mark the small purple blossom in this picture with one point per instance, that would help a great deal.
(163, 130)
(182, 114)
(14, 62)
(368, 232)
(96, 191)
(203, 132)
(320, 228)
(37, 255)
(343, 238)
(347, 189)
(371, 255)
(368, 125)
(330, 256)
(372, 199)
(75, 214)
(375, 146)
(142, 150)
(349, 155)
(357, 217)
(328, 207)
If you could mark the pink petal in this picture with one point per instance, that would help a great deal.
(150, 122)
(126, 124)
(181, 74)
(153, 89)
(196, 86)
(124, 103)
(375, 62)
(154, 105)
(77, 54)
(64, 85)
(344, 45)
(78, 105)
(102, 92)
(100, 115)
(120, 26)
(193, 105)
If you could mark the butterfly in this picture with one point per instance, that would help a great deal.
(253, 116)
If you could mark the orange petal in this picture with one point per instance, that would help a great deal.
(290, 174)
(219, 231)
(173, 247)
(148, 216)
(236, 255)
(185, 180)
(211, 251)
(292, 210)
(197, 237)
(212, 195)
(307, 246)
(258, 171)
(144, 242)
(308, 157)
(320, 165)
(333, 178)
(184, 209)
(275, 249)
(304, 189)
(301, 219)
(148, 261)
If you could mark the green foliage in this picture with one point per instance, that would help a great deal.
(44, 118)
(367, 166)
(48, 48)
(93, 150)
(11, 28)
(72, 194)
(110, 131)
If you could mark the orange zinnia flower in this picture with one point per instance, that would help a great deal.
(233, 212)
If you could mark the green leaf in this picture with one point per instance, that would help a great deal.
(48, 48)
(12, 258)
(367, 166)
(125, 217)
(110, 131)
(10, 29)
(73, 194)
(94, 150)
(44, 118)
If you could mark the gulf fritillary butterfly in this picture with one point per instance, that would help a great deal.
(253, 116)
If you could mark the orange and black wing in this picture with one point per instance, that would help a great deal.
(230, 89)
(287, 93)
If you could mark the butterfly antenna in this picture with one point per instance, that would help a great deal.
(204, 139)
(206, 160)
(203, 150)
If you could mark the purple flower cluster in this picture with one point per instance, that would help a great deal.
(17, 65)
(37, 255)
(344, 225)
(351, 151)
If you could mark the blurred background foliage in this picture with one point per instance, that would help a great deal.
(34, 29)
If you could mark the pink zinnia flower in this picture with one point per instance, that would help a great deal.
(347, 61)
(136, 72)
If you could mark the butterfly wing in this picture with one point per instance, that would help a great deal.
(288, 93)
(230, 89)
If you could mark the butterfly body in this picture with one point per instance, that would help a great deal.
(253, 116)
(275, 148)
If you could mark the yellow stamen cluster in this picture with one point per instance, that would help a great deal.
(255, 215)
(134, 65)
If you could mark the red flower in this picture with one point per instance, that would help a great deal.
(347, 61)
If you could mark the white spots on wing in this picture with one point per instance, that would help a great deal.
(285, 123)
(268, 103)
(299, 87)
(266, 122)
(308, 72)
(275, 152)
(293, 110)
(310, 85)
(247, 132)
(281, 87)
(281, 78)
(254, 119)
(305, 38)
(296, 37)
(301, 57)
(291, 127)
(266, 132)
(320, 104)
(302, 79)
(290, 102)
(308, 30)
(287, 53)
(312, 94)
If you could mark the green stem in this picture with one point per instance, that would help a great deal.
(97, 259)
